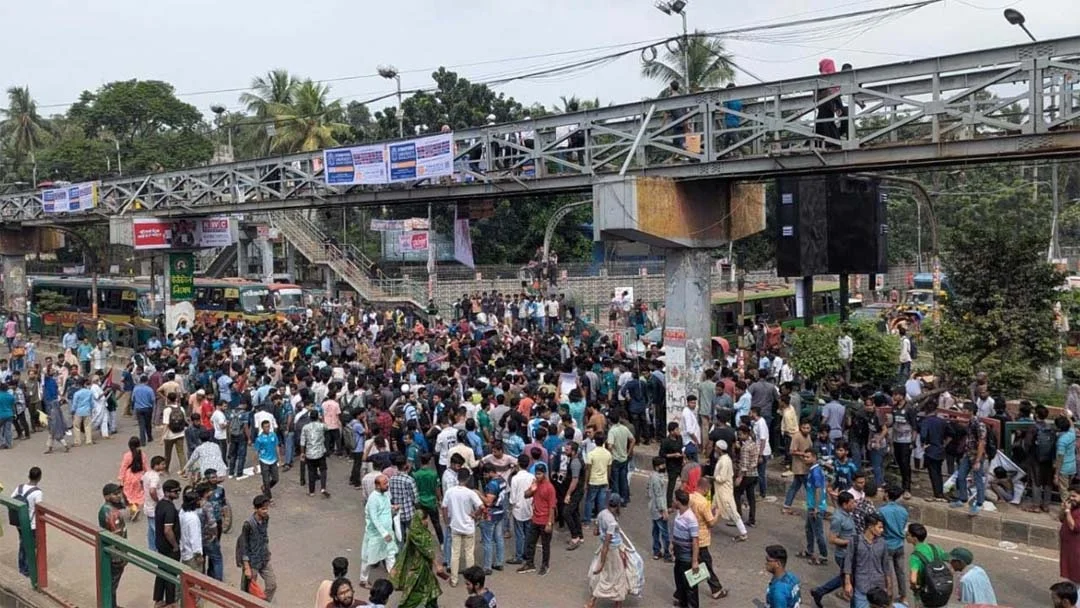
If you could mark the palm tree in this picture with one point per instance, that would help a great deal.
(23, 128)
(276, 87)
(709, 62)
(310, 122)
(573, 104)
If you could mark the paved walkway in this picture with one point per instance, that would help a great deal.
(306, 533)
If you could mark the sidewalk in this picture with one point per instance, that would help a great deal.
(1008, 524)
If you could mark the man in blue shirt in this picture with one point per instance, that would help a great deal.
(783, 589)
(896, 521)
(85, 349)
(841, 531)
(142, 398)
(82, 406)
(7, 416)
(266, 444)
(1065, 461)
(70, 340)
(816, 506)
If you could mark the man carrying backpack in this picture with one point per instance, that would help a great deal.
(973, 461)
(30, 494)
(1040, 445)
(931, 577)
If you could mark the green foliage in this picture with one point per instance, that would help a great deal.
(815, 353)
(23, 129)
(708, 60)
(1000, 319)
(310, 122)
(48, 301)
(494, 243)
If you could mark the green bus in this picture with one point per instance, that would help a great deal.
(126, 306)
(773, 304)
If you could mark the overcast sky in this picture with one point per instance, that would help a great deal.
(60, 48)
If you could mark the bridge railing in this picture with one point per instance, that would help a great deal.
(1026, 89)
(192, 587)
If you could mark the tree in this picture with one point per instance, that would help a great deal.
(815, 353)
(1000, 316)
(361, 126)
(276, 89)
(48, 301)
(709, 62)
(573, 104)
(154, 130)
(23, 128)
(310, 122)
(493, 244)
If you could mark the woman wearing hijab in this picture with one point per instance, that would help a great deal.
(418, 565)
(609, 573)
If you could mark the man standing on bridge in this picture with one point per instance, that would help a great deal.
(111, 518)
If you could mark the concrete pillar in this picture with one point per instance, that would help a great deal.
(242, 256)
(290, 260)
(146, 267)
(14, 267)
(688, 325)
(331, 281)
(266, 248)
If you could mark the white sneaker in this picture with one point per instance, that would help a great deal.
(242, 477)
(786, 474)
(769, 499)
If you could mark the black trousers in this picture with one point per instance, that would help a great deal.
(937, 483)
(165, 591)
(433, 515)
(536, 532)
(270, 477)
(747, 489)
(356, 474)
(673, 484)
(22, 427)
(660, 418)
(316, 467)
(572, 515)
(685, 595)
(641, 428)
(333, 442)
(902, 455)
(705, 558)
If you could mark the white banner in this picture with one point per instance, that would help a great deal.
(463, 243)
(70, 199)
(185, 233)
(421, 158)
(355, 166)
(412, 223)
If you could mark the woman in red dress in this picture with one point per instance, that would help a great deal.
(1069, 536)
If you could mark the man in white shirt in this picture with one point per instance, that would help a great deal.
(460, 505)
(984, 402)
(761, 433)
(905, 355)
(846, 348)
(691, 427)
(520, 507)
(32, 494)
(191, 549)
(446, 439)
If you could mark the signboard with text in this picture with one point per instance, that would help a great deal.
(187, 233)
(70, 199)
(413, 241)
(181, 276)
(411, 159)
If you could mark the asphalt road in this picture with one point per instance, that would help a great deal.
(306, 533)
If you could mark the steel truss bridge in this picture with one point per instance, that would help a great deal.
(1007, 103)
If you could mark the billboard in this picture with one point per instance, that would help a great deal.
(70, 199)
(411, 159)
(414, 240)
(186, 233)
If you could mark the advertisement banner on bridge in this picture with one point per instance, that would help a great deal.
(402, 161)
(70, 199)
(416, 240)
(355, 166)
(187, 233)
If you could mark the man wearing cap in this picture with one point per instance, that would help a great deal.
(111, 519)
(973, 582)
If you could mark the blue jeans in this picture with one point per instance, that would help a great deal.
(145, 419)
(446, 546)
(761, 474)
(237, 456)
(151, 538)
(858, 452)
(595, 496)
(521, 534)
(833, 583)
(620, 479)
(215, 564)
(290, 448)
(661, 542)
(858, 599)
(491, 535)
(6, 424)
(24, 567)
(797, 483)
(961, 481)
(815, 530)
(877, 465)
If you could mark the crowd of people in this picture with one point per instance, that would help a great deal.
(474, 441)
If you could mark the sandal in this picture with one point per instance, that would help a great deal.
(719, 595)
(804, 555)
(818, 561)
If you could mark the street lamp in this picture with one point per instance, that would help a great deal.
(220, 112)
(1015, 17)
(390, 72)
(678, 7)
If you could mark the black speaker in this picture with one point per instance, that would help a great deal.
(830, 225)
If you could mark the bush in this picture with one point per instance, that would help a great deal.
(815, 353)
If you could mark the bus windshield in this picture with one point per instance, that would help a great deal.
(255, 300)
(290, 298)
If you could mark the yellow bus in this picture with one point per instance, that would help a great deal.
(232, 298)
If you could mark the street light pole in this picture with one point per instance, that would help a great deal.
(678, 7)
(388, 72)
(1015, 17)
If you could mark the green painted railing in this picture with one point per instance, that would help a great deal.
(26, 535)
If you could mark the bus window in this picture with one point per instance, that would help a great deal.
(255, 300)
(80, 298)
(111, 301)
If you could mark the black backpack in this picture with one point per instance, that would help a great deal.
(935, 579)
(23, 496)
(1045, 442)
(991, 443)
(913, 349)
(176, 419)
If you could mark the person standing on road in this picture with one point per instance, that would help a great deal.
(932, 431)
(867, 563)
(904, 371)
(133, 467)
(607, 571)
(31, 494)
(783, 589)
(973, 583)
(724, 489)
(266, 446)
(620, 442)
(167, 534)
(313, 453)
(841, 535)
(379, 542)
(746, 474)
(191, 532)
(152, 493)
(461, 508)
(542, 523)
(597, 473)
(973, 461)
(142, 398)
(684, 540)
(801, 444)
(50, 398)
(494, 524)
(253, 549)
(403, 492)
(1069, 535)
(706, 517)
(111, 519)
(895, 517)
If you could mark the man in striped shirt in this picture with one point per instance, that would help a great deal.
(684, 539)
